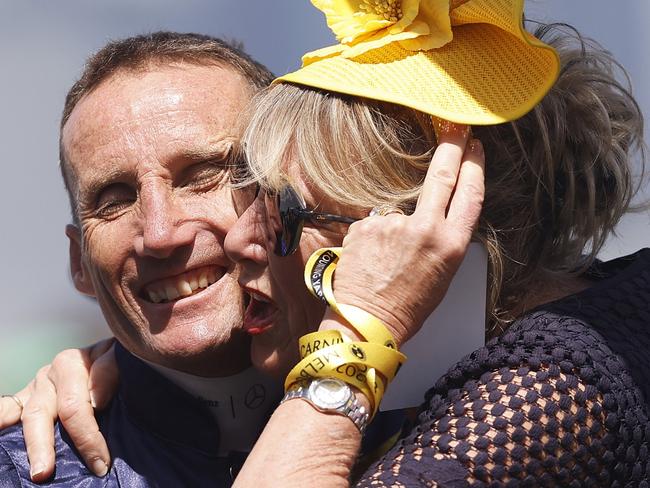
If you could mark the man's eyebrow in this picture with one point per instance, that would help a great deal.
(95, 185)
(223, 151)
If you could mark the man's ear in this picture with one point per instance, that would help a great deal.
(80, 276)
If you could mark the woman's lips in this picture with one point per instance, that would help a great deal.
(259, 314)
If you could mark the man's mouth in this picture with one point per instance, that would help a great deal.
(182, 286)
(259, 314)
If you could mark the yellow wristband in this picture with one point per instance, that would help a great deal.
(368, 366)
(356, 363)
(316, 341)
(319, 272)
(358, 375)
(385, 360)
(388, 361)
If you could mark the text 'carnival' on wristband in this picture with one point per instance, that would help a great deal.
(319, 272)
(315, 341)
(328, 364)
(356, 363)
(340, 349)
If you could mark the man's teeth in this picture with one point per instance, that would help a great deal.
(184, 288)
(181, 286)
(203, 281)
(171, 292)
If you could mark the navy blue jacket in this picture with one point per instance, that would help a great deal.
(157, 434)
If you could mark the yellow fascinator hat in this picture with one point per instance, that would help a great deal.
(467, 61)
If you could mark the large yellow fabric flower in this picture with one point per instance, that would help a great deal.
(362, 25)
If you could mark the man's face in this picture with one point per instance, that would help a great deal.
(147, 154)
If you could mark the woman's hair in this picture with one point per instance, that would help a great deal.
(557, 180)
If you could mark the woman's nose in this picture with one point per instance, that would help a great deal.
(247, 239)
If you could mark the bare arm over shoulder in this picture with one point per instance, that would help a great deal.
(68, 390)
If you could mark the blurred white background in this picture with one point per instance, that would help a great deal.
(42, 49)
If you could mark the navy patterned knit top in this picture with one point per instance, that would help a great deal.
(561, 399)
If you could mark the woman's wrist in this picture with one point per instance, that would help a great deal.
(324, 449)
(333, 321)
(356, 407)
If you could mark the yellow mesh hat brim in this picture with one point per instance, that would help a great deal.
(484, 76)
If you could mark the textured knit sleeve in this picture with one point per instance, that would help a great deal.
(548, 404)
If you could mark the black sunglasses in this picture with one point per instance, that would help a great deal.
(293, 213)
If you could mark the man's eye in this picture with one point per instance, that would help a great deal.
(113, 199)
(204, 175)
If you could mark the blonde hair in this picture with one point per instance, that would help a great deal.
(557, 180)
(357, 152)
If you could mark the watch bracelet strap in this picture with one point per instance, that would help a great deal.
(354, 411)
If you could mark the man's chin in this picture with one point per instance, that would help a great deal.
(201, 353)
(272, 361)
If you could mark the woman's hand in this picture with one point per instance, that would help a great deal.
(77, 381)
(399, 267)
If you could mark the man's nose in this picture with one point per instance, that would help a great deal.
(164, 229)
(246, 240)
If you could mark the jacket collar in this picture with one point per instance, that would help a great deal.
(157, 405)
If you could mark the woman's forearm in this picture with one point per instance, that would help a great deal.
(301, 446)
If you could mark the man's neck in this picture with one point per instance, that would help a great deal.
(226, 357)
(240, 403)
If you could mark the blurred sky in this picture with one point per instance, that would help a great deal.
(43, 45)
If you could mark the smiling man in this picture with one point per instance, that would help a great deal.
(149, 139)
(147, 157)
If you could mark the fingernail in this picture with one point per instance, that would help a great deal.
(36, 470)
(99, 467)
(443, 127)
(476, 146)
(93, 401)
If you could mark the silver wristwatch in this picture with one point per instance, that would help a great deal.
(330, 395)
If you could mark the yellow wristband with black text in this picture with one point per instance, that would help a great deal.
(319, 272)
(385, 360)
(321, 339)
(355, 375)
(365, 365)
(368, 366)
(359, 376)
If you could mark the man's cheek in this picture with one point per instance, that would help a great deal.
(216, 206)
(103, 254)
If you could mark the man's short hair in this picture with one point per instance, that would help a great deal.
(138, 52)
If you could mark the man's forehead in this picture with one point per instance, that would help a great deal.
(178, 105)
(129, 94)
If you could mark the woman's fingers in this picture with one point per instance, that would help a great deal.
(104, 376)
(38, 419)
(467, 200)
(11, 408)
(441, 177)
(70, 373)
(399, 267)
(63, 390)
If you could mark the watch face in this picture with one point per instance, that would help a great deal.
(329, 393)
